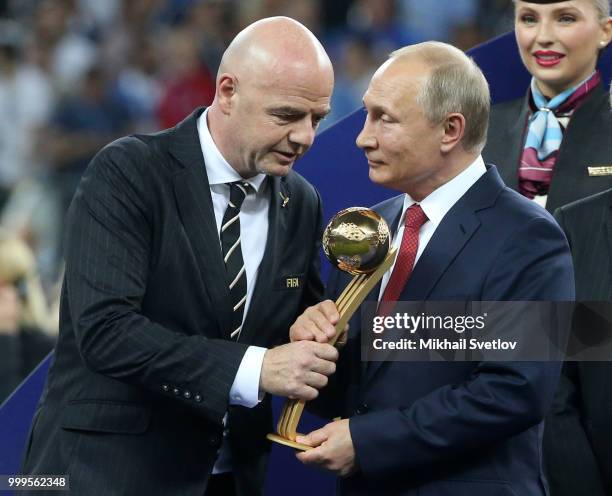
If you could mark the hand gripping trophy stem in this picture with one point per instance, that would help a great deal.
(357, 240)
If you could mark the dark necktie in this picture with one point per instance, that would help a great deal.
(232, 254)
(415, 218)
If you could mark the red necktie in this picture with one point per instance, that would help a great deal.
(415, 218)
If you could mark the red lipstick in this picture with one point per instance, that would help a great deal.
(548, 58)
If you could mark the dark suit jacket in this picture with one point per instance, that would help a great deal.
(136, 395)
(586, 143)
(578, 435)
(462, 428)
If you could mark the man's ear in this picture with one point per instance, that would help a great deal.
(454, 129)
(226, 91)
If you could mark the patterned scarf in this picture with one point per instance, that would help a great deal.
(544, 134)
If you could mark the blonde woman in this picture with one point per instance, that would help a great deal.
(551, 145)
(24, 316)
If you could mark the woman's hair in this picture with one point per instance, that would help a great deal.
(18, 267)
(601, 6)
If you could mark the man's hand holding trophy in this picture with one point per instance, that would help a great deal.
(357, 240)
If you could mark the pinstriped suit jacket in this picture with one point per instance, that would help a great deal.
(135, 397)
(578, 436)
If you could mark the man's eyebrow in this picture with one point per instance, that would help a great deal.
(286, 111)
(294, 112)
(377, 108)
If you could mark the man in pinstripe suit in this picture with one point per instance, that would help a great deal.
(189, 253)
(578, 435)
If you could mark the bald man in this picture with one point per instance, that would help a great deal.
(189, 253)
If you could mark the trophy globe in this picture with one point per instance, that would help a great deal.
(356, 240)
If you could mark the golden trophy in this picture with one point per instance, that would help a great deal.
(357, 240)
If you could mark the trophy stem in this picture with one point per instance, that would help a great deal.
(347, 303)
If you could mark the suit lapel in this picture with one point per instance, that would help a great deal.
(391, 212)
(450, 238)
(572, 154)
(268, 268)
(509, 175)
(447, 242)
(512, 145)
(194, 201)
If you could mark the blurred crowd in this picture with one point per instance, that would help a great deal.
(76, 74)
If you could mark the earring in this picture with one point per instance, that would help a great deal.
(603, 43)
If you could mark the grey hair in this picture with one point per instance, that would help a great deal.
(601, 6)
(454, 85)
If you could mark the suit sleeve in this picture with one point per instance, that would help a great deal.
(499, 400)
(570, 461)
(571, 464)
(110, 233)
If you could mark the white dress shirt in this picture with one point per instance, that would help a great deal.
(253, 236)
(436, 205)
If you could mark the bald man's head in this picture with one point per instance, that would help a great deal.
(273, 87)
(272, 46)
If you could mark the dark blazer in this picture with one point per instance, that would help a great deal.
(136, 395)
(578, 435)
(586, 143)
(462, 428)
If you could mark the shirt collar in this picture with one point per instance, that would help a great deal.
(218, 170)
(437, 204)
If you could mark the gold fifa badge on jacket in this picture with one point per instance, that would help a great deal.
(600, 170)
(291, 282)
(285, 200)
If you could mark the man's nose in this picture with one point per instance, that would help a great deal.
(303, 133)
(365, 139)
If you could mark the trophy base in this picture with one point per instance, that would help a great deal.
(288, 442)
